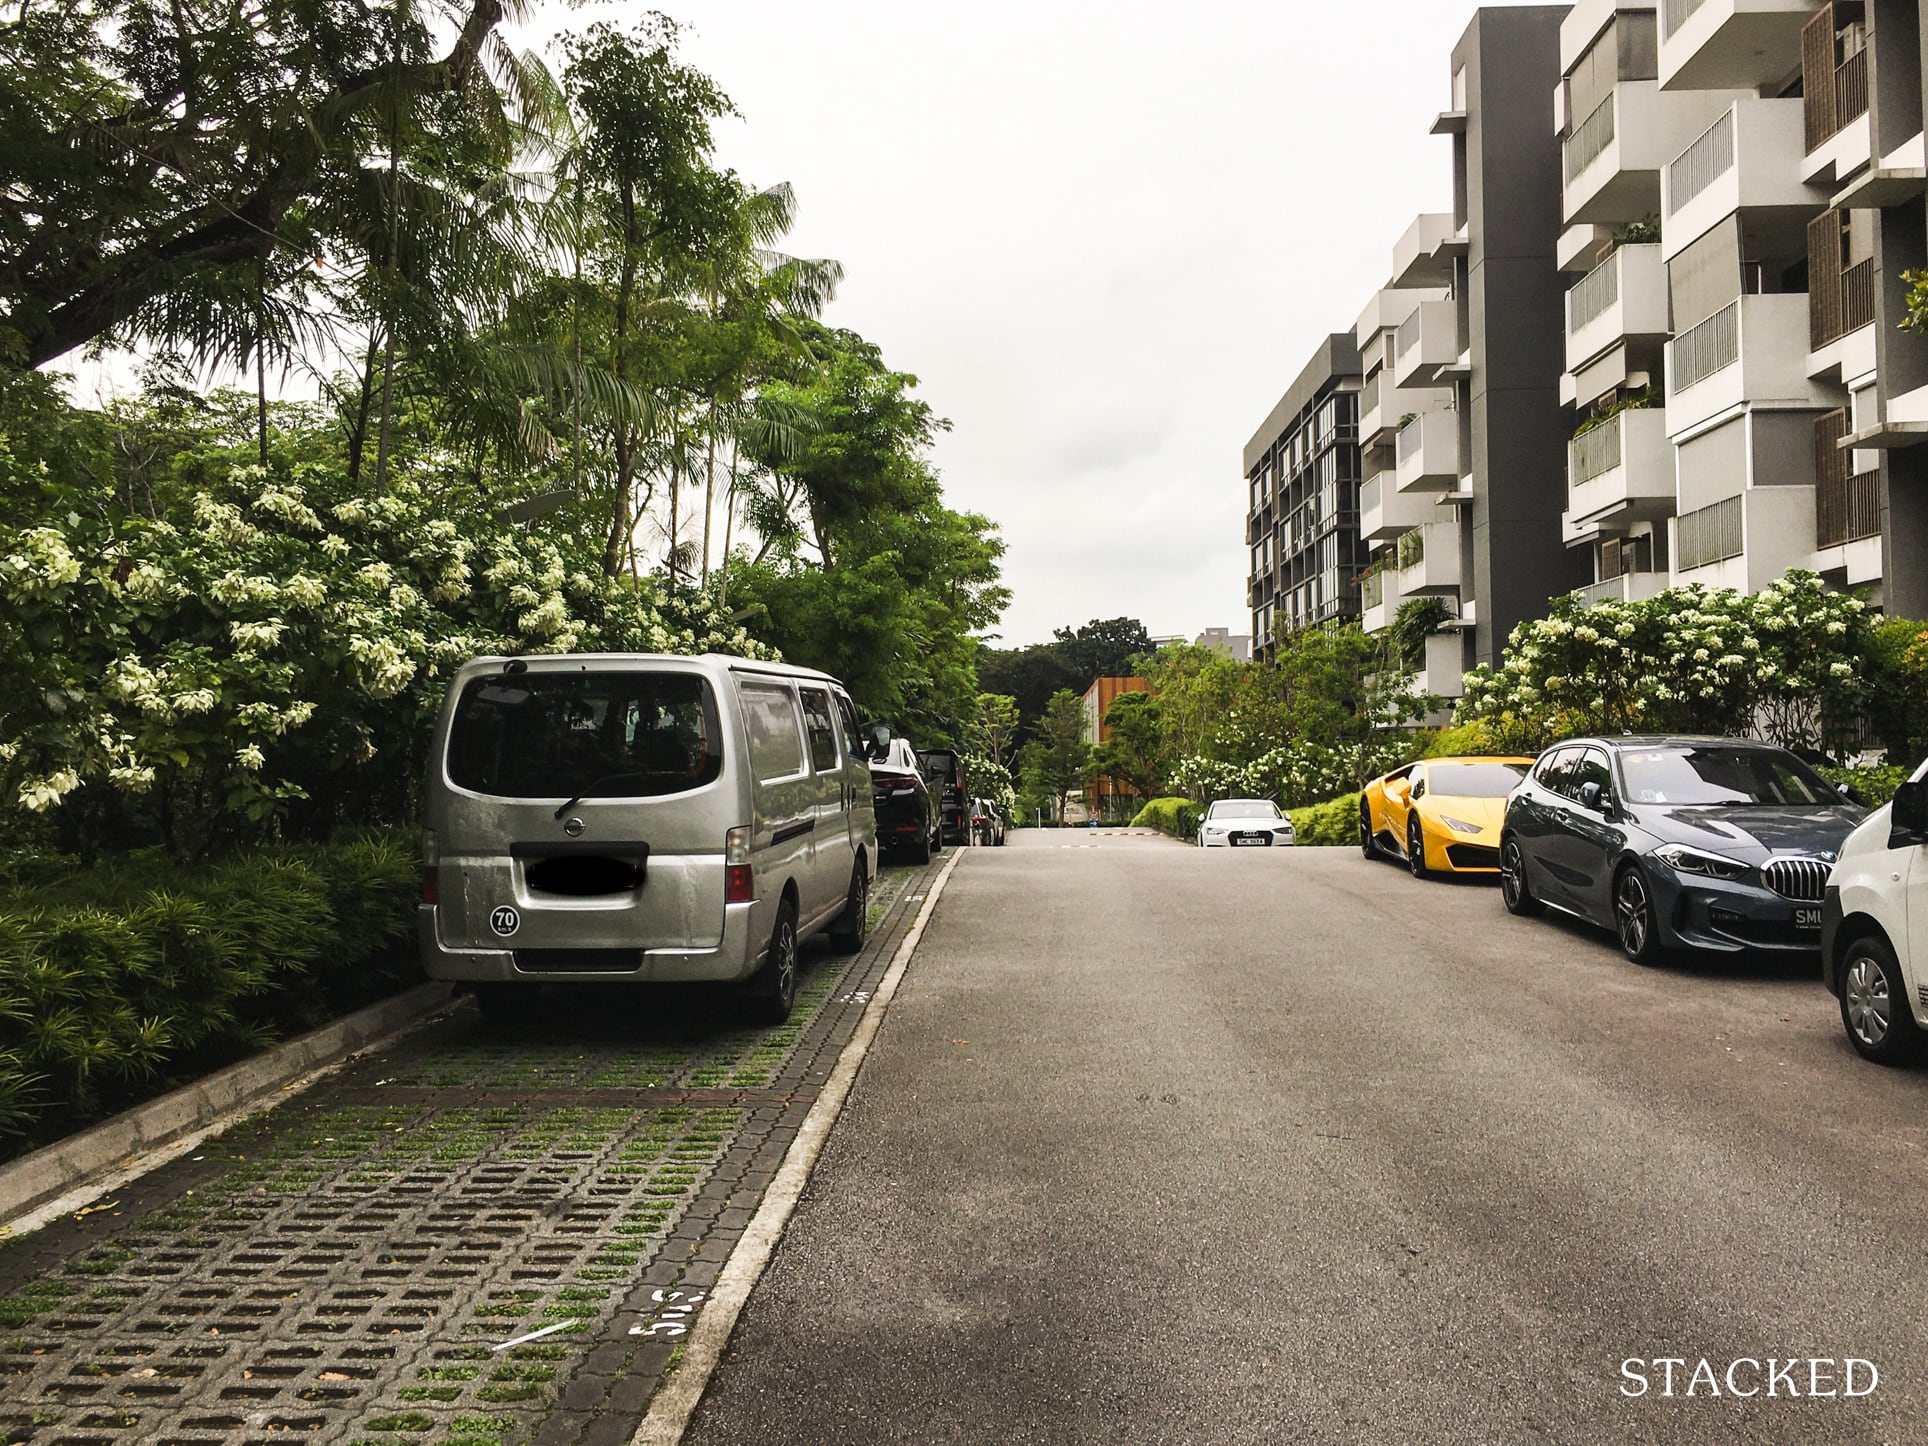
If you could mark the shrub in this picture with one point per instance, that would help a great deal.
(1175, 816)
(116, 984)
(1332, 824)
(1876, 785)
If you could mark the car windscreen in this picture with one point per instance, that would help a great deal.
(1243, 809)
(585, 735)
(1475, 780)
(1717, 774)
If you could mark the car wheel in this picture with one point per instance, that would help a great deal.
(937, 840)
(503, 1003)
(773, 988)
(1874, 1003)
(1368, 845)
(1513, 886)
(1633, 918)
(920, 852)
(852, 929)
(1416, 848)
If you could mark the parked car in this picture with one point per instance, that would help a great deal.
(1441, 815)
(1712, 844)
(1874, 928)
(987, 822)
(1244, 823)
(907, 820)
(944, 772)
(633, 818)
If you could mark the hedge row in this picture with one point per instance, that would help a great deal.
(1332, 824)
(117, 984)
(1176, 816)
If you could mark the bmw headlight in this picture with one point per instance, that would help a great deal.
(1696, 861)
(1460, 825)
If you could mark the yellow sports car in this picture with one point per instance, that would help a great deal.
(1441, 815)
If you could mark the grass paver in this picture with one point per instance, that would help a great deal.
(353, 1265)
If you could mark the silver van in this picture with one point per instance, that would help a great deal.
(636, 818)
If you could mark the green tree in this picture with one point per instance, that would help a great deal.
(994, 731)
(1134, 753)
(1103, 648)
(1058, 759)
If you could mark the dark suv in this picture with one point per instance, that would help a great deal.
(1712, 844)
(944, 772)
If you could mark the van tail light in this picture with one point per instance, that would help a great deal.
(431, 868)
(739, 881)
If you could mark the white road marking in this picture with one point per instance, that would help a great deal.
(548, 1330)
(670, 1412)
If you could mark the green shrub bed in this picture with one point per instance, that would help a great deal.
(1332, 824)
(1876, 785)
(123, 980)
(1175, 816)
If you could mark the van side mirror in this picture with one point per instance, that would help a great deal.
(1908, 815)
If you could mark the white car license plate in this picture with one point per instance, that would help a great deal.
(1244, 839)
(1807, 920)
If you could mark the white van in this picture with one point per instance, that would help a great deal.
(1874, 928)
(636, 818)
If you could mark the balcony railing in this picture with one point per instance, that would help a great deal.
(1369, 397)
(1847, 508)
(1372, 591)
(1407, 337)
(1675, 13)
(1594, 453)
(1370, 493)
(1595, 134)
(1834, 88)
(1700, 352)
(1610, 589)
(1593, 294)
(1410, 437)
(1701, 164)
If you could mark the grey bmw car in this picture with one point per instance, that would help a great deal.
(1717, 845)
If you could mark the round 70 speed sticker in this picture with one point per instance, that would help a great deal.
(505, 921)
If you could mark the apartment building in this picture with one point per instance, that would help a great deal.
(1465, 447)
(1302, 517)
(1743, 385)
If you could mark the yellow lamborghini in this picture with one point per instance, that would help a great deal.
(1441, 815)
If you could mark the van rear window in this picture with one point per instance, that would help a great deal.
(585, 735)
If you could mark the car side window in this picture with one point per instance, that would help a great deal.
(1419, 785)
(853, 736)
(1555, 769)
(1591, 768)
(776, 743)
(820, 728)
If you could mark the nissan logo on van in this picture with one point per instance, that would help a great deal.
(574, 827)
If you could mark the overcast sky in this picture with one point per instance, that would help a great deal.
(1105, 237)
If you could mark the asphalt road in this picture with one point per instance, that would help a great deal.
(1162, 1145)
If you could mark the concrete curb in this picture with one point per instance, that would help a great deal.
(93, 1155)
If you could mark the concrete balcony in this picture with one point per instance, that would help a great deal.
(1382, 407)
(1628, 587)
(1429, 562)
(1423, 256)
(1445, 670)
(1613, 158)
(1622, 299)
(1753, 349)
(1619, 472)
(1428, 453)
(1745, 158)
(1730, 44)
(1427, 343)
(1385, 511)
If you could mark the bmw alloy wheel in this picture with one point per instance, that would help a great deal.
(1633, 915)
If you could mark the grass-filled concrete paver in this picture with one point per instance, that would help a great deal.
(477, 1236)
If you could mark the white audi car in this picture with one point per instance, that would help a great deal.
(1245, 823)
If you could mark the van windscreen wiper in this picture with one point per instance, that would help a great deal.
(598, 786)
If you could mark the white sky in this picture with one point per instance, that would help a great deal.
(1105, 237)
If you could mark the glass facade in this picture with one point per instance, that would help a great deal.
(1304, 530)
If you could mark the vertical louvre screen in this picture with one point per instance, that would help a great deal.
(1817, 75)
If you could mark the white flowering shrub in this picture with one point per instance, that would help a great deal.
(276, 652)
(1786, 663)
(1295, 775)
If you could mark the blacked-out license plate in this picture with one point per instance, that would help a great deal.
(1807, 920)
